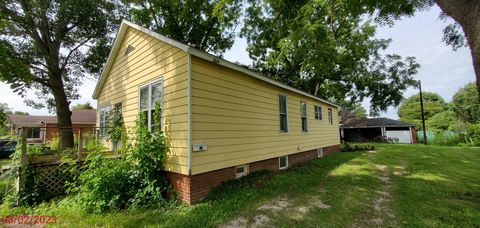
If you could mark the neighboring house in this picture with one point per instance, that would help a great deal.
(222, 121)
(376, 129)
(41, 129)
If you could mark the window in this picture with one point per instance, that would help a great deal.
(117, 113)
(283, 162)
(241, 170)
(150, 95)
(330, 116)
(282, 103)
(33, 133)
(318, 112)
(320, 152)
(103, 119)
(303, 112)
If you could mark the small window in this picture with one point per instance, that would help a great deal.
(241, 170)
(330, 116)
(318, 112)
(283, 162)
(282, 102)
(151, 95)
(320, 152)
(103, 119)
(303, 111)
(33, 133)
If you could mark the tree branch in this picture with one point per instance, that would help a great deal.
(67, 59)
(155, 19)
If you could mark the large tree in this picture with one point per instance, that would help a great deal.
(350, 111)
(47, 45)
(466, 14)
(410, 111)
(206, 25)
(326, 48)
(466, 104)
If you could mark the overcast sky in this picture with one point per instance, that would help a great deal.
(443, 71)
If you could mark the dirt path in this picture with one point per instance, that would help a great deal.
(379, 213)
(382, 214)
(273, 209)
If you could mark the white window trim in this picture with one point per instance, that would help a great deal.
(39, 135)
(286, 107)
(320, 152)
(306, 116)
(285, 167)
(149, 85)
(104, 108)
(245, 170)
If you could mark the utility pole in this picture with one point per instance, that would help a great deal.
(423, 114)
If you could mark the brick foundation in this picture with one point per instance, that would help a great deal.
(192, 189)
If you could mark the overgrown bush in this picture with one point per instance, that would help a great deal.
(445, 139)
(115, 128)
(35, 149)
(347, 148)
(53, 143)
(132, 181)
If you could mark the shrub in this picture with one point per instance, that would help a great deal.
(446, 139)
(34, 149)
(132, 181)
(347, 148)
(52, 144)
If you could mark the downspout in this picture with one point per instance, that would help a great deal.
(189, 75)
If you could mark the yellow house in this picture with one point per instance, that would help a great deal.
(222, 121)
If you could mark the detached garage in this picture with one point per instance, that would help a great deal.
(376, 129)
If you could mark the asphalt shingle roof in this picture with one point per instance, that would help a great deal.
(375, 122)
(78, 116)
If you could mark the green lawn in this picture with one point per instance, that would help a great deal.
(396, 185)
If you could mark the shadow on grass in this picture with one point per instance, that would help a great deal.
(237, 196)
(440, 185)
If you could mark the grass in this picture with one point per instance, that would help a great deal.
(4, 182)
(424, 185)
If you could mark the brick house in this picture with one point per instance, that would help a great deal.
(41, 129)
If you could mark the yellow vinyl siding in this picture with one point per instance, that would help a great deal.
(237, 117)
(152, 59)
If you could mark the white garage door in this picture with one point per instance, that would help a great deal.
(403, 136)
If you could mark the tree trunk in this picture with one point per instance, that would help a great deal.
(64, 121)
(467, 14)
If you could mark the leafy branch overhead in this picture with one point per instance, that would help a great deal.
(207, 25)
(326, 49)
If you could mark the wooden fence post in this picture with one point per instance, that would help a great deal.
(20, 181)
(80, 143)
